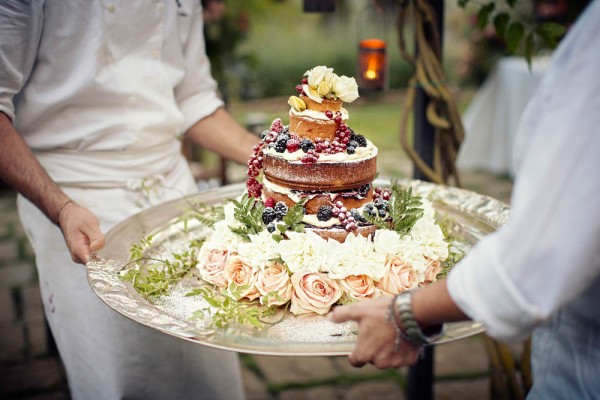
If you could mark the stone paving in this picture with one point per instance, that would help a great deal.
(31, 369)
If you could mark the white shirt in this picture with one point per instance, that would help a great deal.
(549, 252)
(90, 78)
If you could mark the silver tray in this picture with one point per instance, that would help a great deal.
(474, 216)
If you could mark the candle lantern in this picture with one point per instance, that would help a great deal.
(372, 65)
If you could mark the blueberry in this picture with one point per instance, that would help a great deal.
(271, 227)
(357, 216)
(370, 209)
(350, 149)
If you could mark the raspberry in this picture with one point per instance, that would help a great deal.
(280, 210)
(270, 202)
(292, 145)
(325, 213)
(268, 215)
(329, 114)
(277, 125)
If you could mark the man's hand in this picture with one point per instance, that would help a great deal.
(376, 335)
(81, 230)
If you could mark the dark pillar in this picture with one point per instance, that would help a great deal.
(421, 375)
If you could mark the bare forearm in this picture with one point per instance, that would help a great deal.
(21, 170)
(220, 133)
(433, 305)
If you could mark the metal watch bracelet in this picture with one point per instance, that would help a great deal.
(410, 327)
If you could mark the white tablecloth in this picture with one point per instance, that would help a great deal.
(493, 116)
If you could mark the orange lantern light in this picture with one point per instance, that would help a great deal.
(372, 64)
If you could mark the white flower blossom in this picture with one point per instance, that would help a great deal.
(222, 238)
(305, 250)
(345, 88)
(429, 235)
(356, 256)
(319, 74)
(261, 248)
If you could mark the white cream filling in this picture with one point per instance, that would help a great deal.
(310, 219)
(318, 114)
(361, 153)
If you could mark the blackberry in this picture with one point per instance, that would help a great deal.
(285, 131)
(350, 150)
(357, 216)
(306, 145)
(325, 213)
(280, 209)
(360, 139)
(363, 190)
(271, 227)
(281, 143)
(268, 215)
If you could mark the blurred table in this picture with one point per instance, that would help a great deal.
(492, 118)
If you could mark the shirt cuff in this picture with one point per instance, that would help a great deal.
(198, 107)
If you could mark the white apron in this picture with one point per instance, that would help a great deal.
(106, 355)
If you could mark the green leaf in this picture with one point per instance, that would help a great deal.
(550, 32)
(500, 23)
(483, 15)
(514, 35)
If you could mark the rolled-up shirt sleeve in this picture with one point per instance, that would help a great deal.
(549, 252)
(20, 31)
(196, 94)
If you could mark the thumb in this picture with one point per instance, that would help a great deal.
(344, 313)
(96, 241)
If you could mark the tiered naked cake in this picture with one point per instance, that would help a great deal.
(318, 159)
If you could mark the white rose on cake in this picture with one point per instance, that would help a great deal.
(345, 88)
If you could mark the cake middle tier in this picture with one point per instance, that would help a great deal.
(326, 175)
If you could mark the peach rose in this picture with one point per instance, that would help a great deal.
(359, 287)
(313, 292)
(431, 272)
(241, 274)
(399, 277)
(211, 264)
(274, 284)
